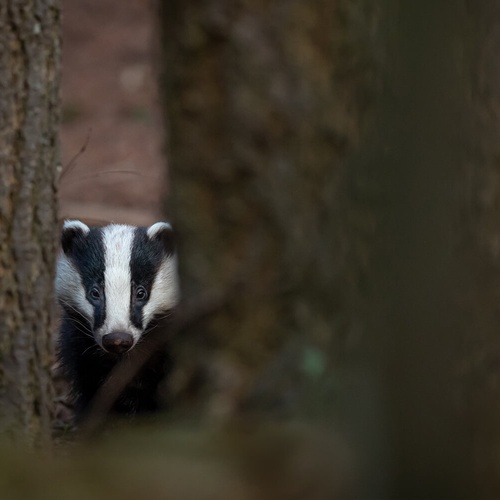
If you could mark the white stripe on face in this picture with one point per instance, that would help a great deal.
(164, 293)
(117, 242)
(68, 282)
(70, 290)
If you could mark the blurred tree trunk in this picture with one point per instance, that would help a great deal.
(419, 147)
(435, 144)
(266, 102)
(29, 76)
(342, 158)
(481, 242)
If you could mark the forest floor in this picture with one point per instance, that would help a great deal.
(110, 103)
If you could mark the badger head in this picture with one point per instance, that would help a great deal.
(118, 278)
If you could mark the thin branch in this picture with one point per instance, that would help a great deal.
(72, 163)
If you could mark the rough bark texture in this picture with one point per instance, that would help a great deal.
(29, 74)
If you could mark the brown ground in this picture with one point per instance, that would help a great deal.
(108, 88)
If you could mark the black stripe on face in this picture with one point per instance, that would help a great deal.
(87, 255)
(146, 258)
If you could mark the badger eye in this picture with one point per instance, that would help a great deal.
(140, 293)
(95, 293)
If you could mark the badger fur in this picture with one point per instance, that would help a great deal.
(115, 284)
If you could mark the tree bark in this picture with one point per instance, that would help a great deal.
(29, 151)
(264, 100)
(343, 159)
(267, 102)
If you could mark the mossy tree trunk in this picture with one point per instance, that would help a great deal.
(264, 102)
(342, 157)
(267, 103)
(29, 76)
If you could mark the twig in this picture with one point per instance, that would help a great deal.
(72, 163)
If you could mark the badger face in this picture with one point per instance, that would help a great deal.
(119, 278)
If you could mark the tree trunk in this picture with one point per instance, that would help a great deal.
(267, 103)
(29, 111)
(264, 101)
(481, 238)
(418, 147)
(340, 160)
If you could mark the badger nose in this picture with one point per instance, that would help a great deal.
(117, 342)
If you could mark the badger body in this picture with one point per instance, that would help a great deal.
(114, 284)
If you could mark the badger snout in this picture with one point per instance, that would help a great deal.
(117, 342)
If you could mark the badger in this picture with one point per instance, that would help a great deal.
(114, 284)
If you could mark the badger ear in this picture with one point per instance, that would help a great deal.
(72, 230)
(162, 231)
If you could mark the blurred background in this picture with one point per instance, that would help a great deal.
(333, 177)
(110, 103)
